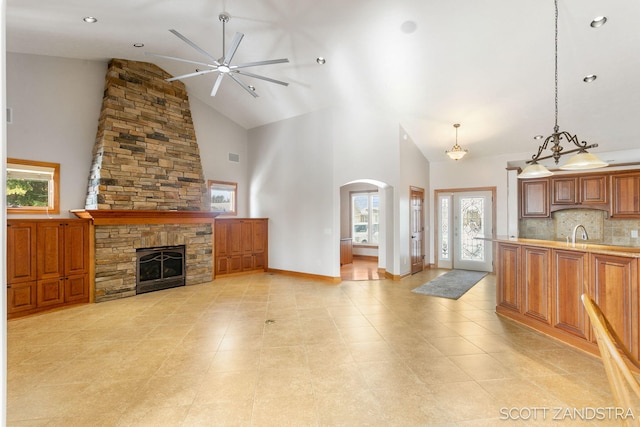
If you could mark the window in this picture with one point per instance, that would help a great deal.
(223, 197)
(365, 218)
(33, 187)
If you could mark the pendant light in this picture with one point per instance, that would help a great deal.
(582, 160)
(456, 152)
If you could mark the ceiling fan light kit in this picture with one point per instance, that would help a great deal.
(583, 159)
(223, 65)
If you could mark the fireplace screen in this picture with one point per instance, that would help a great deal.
(160, 268)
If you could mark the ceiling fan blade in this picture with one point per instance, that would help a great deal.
(195, 46)
(232, 49)
(244, 86)
(180, 59)
(246, 73)
(184, 76)
(216, 85)
(254, 64)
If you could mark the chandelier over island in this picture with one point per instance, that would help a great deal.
(582, 160)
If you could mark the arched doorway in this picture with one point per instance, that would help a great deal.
(365, 227)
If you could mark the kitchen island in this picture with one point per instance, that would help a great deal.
(539, 284)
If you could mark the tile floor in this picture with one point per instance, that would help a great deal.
(362, 353)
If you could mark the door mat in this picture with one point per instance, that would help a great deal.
(453, 284)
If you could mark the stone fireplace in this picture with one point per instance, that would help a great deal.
(146, 186)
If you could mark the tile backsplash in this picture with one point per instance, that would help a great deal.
(600, 228)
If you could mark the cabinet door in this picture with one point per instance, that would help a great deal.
(534, 198)
(21, 252)
(21, 297)
(570, 281)
(626, 195)
(507, 281)
(76, 288)
(615, 287)
(563, 191)
(50, 250)
(76, 247)
(50, 292)
(536, 281)
(593, 190)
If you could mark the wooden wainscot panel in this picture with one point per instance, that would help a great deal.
(508, 285)
(570, 281)
(537, 275)
(615, 289)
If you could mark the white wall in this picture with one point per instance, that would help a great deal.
(56, 104)
(291, 169)
(297, 169)
(217, 137)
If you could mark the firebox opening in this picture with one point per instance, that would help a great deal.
(160, 268)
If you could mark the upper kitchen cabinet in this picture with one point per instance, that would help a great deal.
(626, 195)
(579, 191)
(534, 198)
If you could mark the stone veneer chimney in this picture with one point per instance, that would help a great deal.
(145, 158)
(145, 155)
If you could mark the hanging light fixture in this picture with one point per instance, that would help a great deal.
(456, 152)
(582, 160)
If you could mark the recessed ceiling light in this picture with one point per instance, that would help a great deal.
(538, 137)
(599, 21)
(320, 60)
(138, 45)
(90, 19)
(589, 78)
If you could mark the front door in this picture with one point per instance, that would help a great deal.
(465, 219)
(417, 230)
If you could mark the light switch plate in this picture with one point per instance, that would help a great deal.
(634, 234)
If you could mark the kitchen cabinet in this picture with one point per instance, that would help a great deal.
(553, 276)
(569, 282)
(508, 280)
(535, 283)
(240, 245)
(626, 195)
(346, 251)
(534, 198)
(615, 289)
(48, 264)
(575, 191)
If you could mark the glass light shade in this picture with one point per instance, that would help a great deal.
(582, 161)
(535, 170)
(457, 152)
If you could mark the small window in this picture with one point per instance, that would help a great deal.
(223, 197)
(33, 187)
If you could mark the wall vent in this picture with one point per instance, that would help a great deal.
(233, 157)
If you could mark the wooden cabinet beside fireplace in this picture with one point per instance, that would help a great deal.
(240, 245)
(47, 264)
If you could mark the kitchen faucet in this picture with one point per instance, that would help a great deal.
(585, 236)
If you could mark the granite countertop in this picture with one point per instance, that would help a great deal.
(627, 251)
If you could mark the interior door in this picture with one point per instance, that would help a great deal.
(464, 219)
(417, 230)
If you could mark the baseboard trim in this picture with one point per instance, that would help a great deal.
(329, 279)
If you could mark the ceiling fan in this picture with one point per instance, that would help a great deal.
(223, 65)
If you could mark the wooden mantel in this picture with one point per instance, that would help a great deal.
(139, 216)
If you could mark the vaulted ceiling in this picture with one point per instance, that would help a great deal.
(486, 64)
